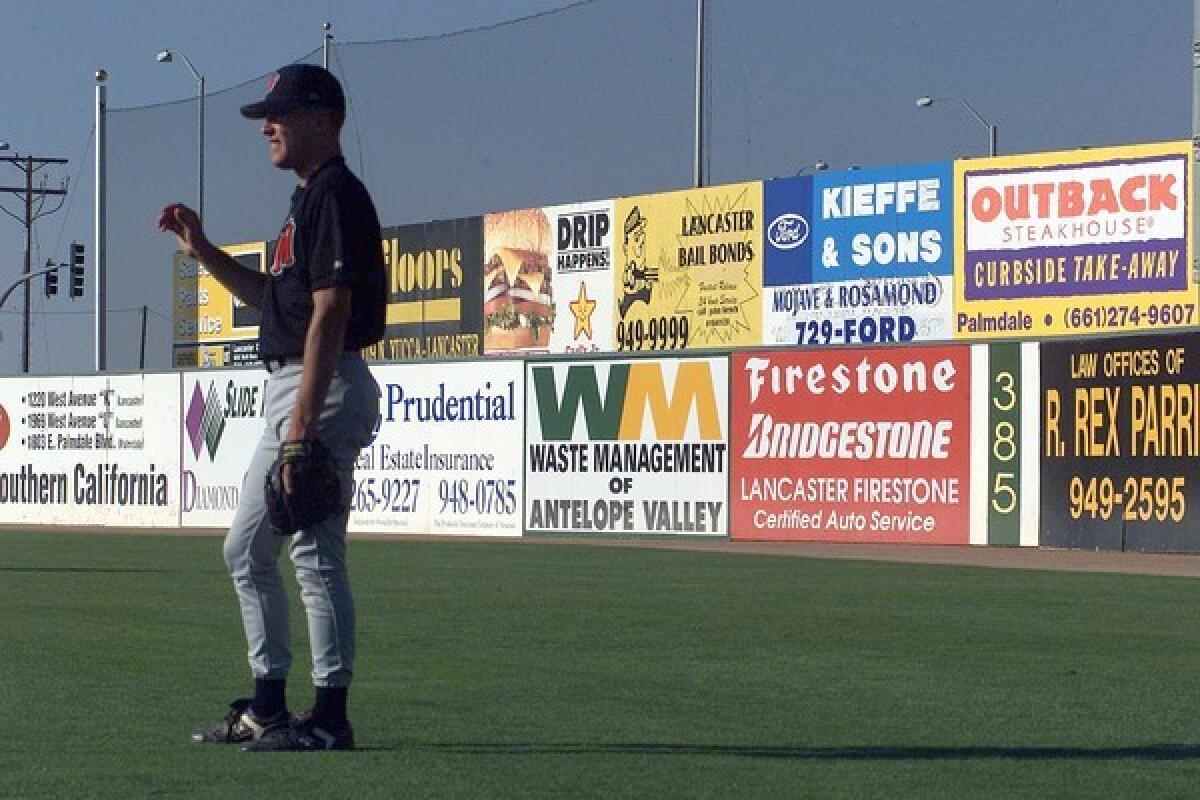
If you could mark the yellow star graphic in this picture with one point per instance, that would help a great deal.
(582, 308)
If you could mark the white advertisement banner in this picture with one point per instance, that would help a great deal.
(221, 425)
(446, 457)
(879, 310)
(628, 447)
(1114, 202)
(90, 451)
(583, 278)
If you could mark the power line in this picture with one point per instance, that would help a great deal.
(83, 162)
(34, 197)
(481, 28)
(136, 310)
(428, 37)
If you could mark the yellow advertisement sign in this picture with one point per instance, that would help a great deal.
(208, 314)
(434, 291)
(1078, 242)
(688, 268)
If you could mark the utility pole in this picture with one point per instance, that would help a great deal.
(100, 224)
(1195, 221)
(142, 355)
(698, 176)
(34, 198)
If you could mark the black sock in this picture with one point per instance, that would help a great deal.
(269, 697)
(331, 704)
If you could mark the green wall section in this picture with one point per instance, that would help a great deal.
(1004, 444)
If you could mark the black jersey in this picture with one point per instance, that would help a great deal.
(331, 238)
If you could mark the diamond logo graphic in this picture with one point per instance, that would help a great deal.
(205, 421)
(193, 418)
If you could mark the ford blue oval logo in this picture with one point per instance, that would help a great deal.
(788, 231)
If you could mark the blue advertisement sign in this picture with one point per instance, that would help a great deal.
(885, 222)
(787, 206)
(860, 256)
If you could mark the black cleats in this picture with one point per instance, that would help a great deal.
(304, 734)
(241, 726)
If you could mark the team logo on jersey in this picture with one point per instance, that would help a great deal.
(285, 255)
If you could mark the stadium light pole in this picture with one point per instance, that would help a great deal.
(166, 57)
(926, 102)
(100, 225)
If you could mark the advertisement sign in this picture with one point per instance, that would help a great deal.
(627, 447)
(518, 289)
(213, 328)
(221, 424)
(582, 266)
(90, 451)
(446, 457)
(859, 257)
(1004, 429)
(1087, 241)
(1120, 439)
(434, 291)
(689, 269)
(852, 445)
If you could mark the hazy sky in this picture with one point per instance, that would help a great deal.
(589, 103)
(55, 48)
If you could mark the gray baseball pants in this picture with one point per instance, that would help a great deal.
(319, 553)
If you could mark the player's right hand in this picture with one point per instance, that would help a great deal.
(185, 224)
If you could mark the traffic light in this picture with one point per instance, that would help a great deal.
(76, 269)
(51, 281)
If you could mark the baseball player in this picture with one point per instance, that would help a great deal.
(322, 300)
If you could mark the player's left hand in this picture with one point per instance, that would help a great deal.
(302, 487)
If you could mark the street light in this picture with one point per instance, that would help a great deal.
(816, 166)
(926, 102)
(166, 57)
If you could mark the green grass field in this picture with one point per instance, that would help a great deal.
(549, 670)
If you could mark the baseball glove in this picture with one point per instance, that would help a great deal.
(315, 494)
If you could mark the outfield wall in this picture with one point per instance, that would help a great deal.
(892, 354)
(1089, 443)
(1021, 247)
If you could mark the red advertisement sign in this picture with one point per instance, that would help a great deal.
(851, 445)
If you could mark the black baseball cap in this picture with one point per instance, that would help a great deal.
(298, 86)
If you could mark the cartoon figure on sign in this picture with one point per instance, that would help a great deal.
(639, 278)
